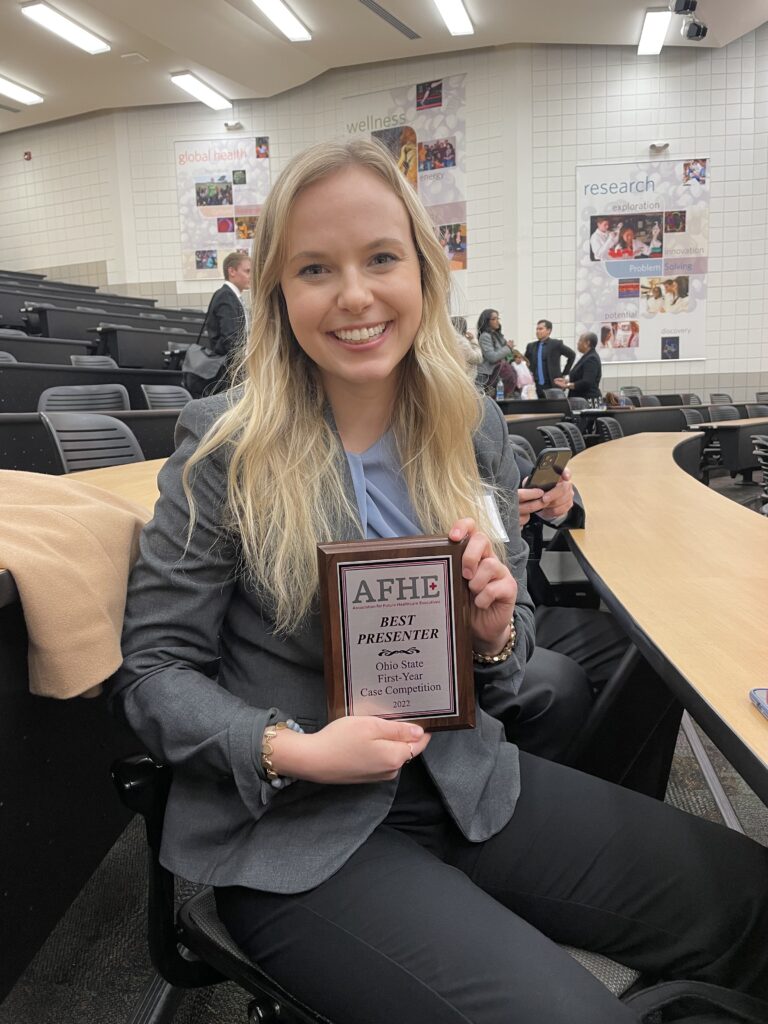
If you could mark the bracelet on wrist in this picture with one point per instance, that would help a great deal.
(275, 780)
(504, 653)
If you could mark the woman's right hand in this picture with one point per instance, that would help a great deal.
(349, 750)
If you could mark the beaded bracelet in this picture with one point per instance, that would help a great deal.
(275, 780)
(504, 653)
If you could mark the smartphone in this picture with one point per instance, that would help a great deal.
(549, 468)
(760, 699)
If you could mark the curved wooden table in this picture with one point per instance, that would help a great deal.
(685, 571)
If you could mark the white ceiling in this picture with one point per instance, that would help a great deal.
(234, 48)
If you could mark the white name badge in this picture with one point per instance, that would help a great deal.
(492, 508)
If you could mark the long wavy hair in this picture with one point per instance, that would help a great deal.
(286, 465)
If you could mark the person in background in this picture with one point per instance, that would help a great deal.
(468, 344)
(226, 318)
(584, 379)
(523, 374)
(544, 357)
(378, 872)
(496, 350)
(226, 322)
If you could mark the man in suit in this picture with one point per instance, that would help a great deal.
(225, 320)
(544, 357)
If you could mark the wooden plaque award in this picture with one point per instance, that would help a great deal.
(396, 631)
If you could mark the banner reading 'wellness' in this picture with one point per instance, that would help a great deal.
(423, 128)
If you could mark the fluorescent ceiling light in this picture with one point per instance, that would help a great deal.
(654, 31)
(191, 84)
(18, 92)
(283, 19)
(455, 17)
(61, 26)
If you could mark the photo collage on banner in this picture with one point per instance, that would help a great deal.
(643, 246)
(422, 126)
(222, 185)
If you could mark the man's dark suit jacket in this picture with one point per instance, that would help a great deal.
(554, 351)
(225, 321)
(586, 376)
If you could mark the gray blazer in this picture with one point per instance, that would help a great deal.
(186, 609)
(494, 347)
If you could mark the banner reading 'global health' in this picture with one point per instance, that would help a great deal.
(643, 247)
(222, 185)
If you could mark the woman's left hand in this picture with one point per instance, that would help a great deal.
(492, 588)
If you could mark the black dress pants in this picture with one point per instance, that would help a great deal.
(421, 926)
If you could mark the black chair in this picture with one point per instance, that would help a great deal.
(760, 451)
(88, 441)
(578, 403)
(554, 436)
(691, 398)
(554, 393)
(760, 396)
(608, 428)
(719, 398)
(165, 396)
(103, 362)
(84, 398)
(691, 417)
(12, 332)
(6, 357)
(575, 437)
(724, 412)
(649, 400)
(196, 929)
(754, 412)
(524, 446)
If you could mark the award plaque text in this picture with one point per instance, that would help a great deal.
(396, 631)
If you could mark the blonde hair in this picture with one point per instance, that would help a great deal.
(285, 483)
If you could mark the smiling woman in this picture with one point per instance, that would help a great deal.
(405, 876)
(354, 296)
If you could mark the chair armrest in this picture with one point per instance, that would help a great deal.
(143, 784)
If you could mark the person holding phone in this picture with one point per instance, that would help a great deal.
(389, 875)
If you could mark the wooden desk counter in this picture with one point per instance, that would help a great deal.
(757, 421)
(525, 417)
(686, 572)
(136, 481)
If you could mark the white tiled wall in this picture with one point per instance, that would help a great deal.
(102, 189)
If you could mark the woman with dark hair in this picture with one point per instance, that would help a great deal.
(496, 350)
(584, 380)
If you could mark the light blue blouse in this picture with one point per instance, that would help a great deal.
(381, 492)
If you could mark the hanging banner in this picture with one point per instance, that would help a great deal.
(643, 248)
(423, 127)
(222, 184)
